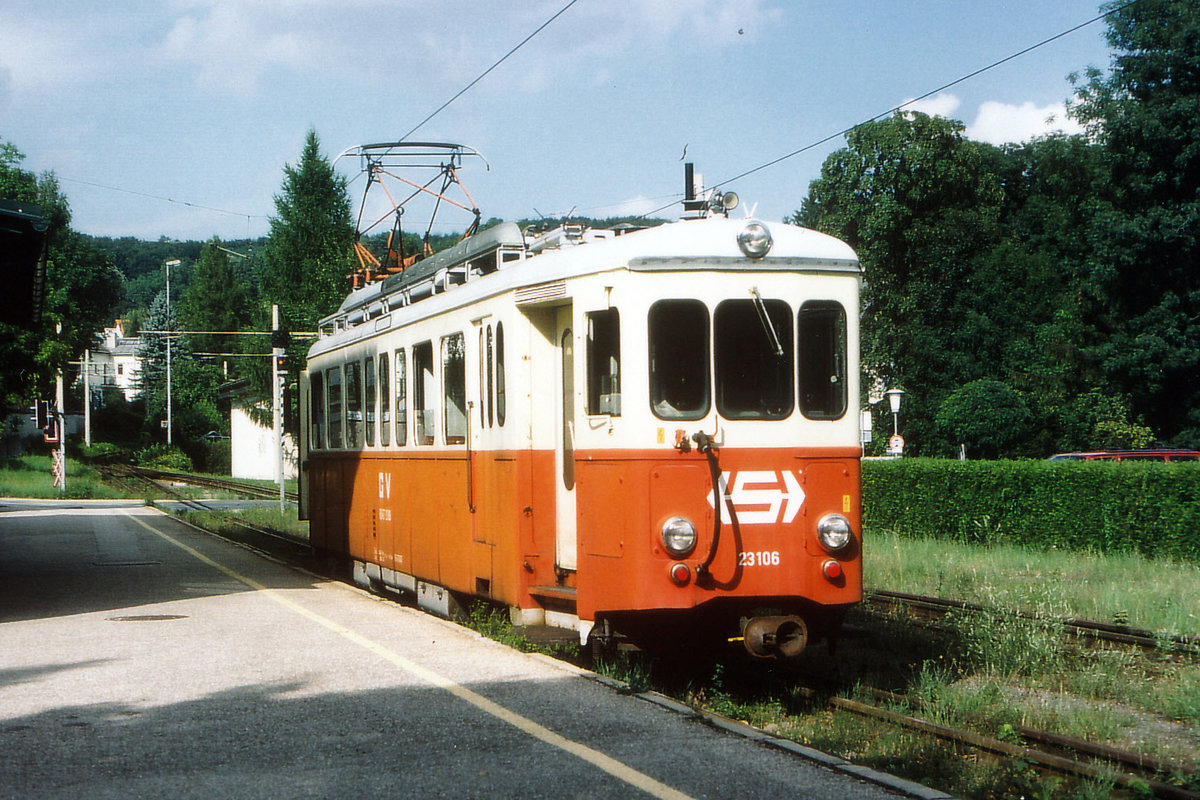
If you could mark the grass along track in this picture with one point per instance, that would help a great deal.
(927, 607)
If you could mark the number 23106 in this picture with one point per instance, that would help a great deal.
(759, 558)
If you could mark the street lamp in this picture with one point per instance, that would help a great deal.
(174, 262)
(895, 443)
(893, 396)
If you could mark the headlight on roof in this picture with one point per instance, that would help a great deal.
(755, 239)
(835, 532)
(679, 536)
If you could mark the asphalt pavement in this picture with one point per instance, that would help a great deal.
(140, 657)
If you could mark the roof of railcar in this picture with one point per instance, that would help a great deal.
(685, 245)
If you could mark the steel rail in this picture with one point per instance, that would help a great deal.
(1122, 634)
(1048, 760)
(208, 481)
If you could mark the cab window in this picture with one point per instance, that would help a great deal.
(678, 341)
(822, 355)
(752, 343)
(604, 362)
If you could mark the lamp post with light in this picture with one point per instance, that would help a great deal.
(174, 262)
(895, 443)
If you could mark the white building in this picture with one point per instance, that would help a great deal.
(114, 362)
(253, 453)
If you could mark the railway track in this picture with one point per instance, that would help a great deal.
(210, 482)
(265, 539)
(935, 608)
(1049, 751)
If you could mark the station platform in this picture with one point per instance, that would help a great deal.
(140, 657)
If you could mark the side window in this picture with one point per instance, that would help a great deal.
(424, 393)
(604, 362)
(822, 356)
(333, 380)
(678, 340)
(316, 409)
(454, 388)
(485, 369)
(752, 349)
(353, 404)
(369, 375)
(401, 398)
(500, 397)
(385, 393)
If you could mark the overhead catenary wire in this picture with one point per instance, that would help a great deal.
(485, 73)
(163, 198)
(908, 103)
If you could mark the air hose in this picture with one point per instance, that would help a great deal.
(704, 444)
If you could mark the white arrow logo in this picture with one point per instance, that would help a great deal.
(765, 503)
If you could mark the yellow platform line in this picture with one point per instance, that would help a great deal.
(540, 732)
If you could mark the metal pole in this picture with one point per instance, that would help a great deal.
(60, 403)
(87, 399)
(171, 263)
(277, 406)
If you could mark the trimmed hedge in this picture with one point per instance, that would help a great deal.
(1148, 508)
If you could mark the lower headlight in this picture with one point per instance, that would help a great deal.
(835, 532)
(678, 536)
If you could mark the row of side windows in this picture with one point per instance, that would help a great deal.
(366, 402)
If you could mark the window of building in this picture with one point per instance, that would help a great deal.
(678, 341)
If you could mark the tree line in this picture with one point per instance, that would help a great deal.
(1030, 298)
(1041, 296)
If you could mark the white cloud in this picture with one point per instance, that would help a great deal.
(940, 105)
(999, 123)
(633, 206)
(36, 54)
(232, 47)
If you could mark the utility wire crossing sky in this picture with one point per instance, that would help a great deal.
(176, 119)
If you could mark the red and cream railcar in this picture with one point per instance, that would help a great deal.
(655, 433)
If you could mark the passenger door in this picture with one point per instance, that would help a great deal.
(564, 454)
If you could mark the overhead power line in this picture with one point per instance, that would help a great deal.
(904, 105)
(484, 74)
(165, 199)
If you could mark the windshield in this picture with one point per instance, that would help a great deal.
(678, 334)
(767, 359)
(754, 363)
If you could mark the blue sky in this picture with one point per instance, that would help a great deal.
(203, 102)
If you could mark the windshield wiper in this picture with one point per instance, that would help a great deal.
(761, 308)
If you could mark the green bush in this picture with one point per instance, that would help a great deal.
(1149, 508)
(159, 456)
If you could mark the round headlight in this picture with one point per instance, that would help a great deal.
(678, 536)
(834, 532)
(755, 239)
